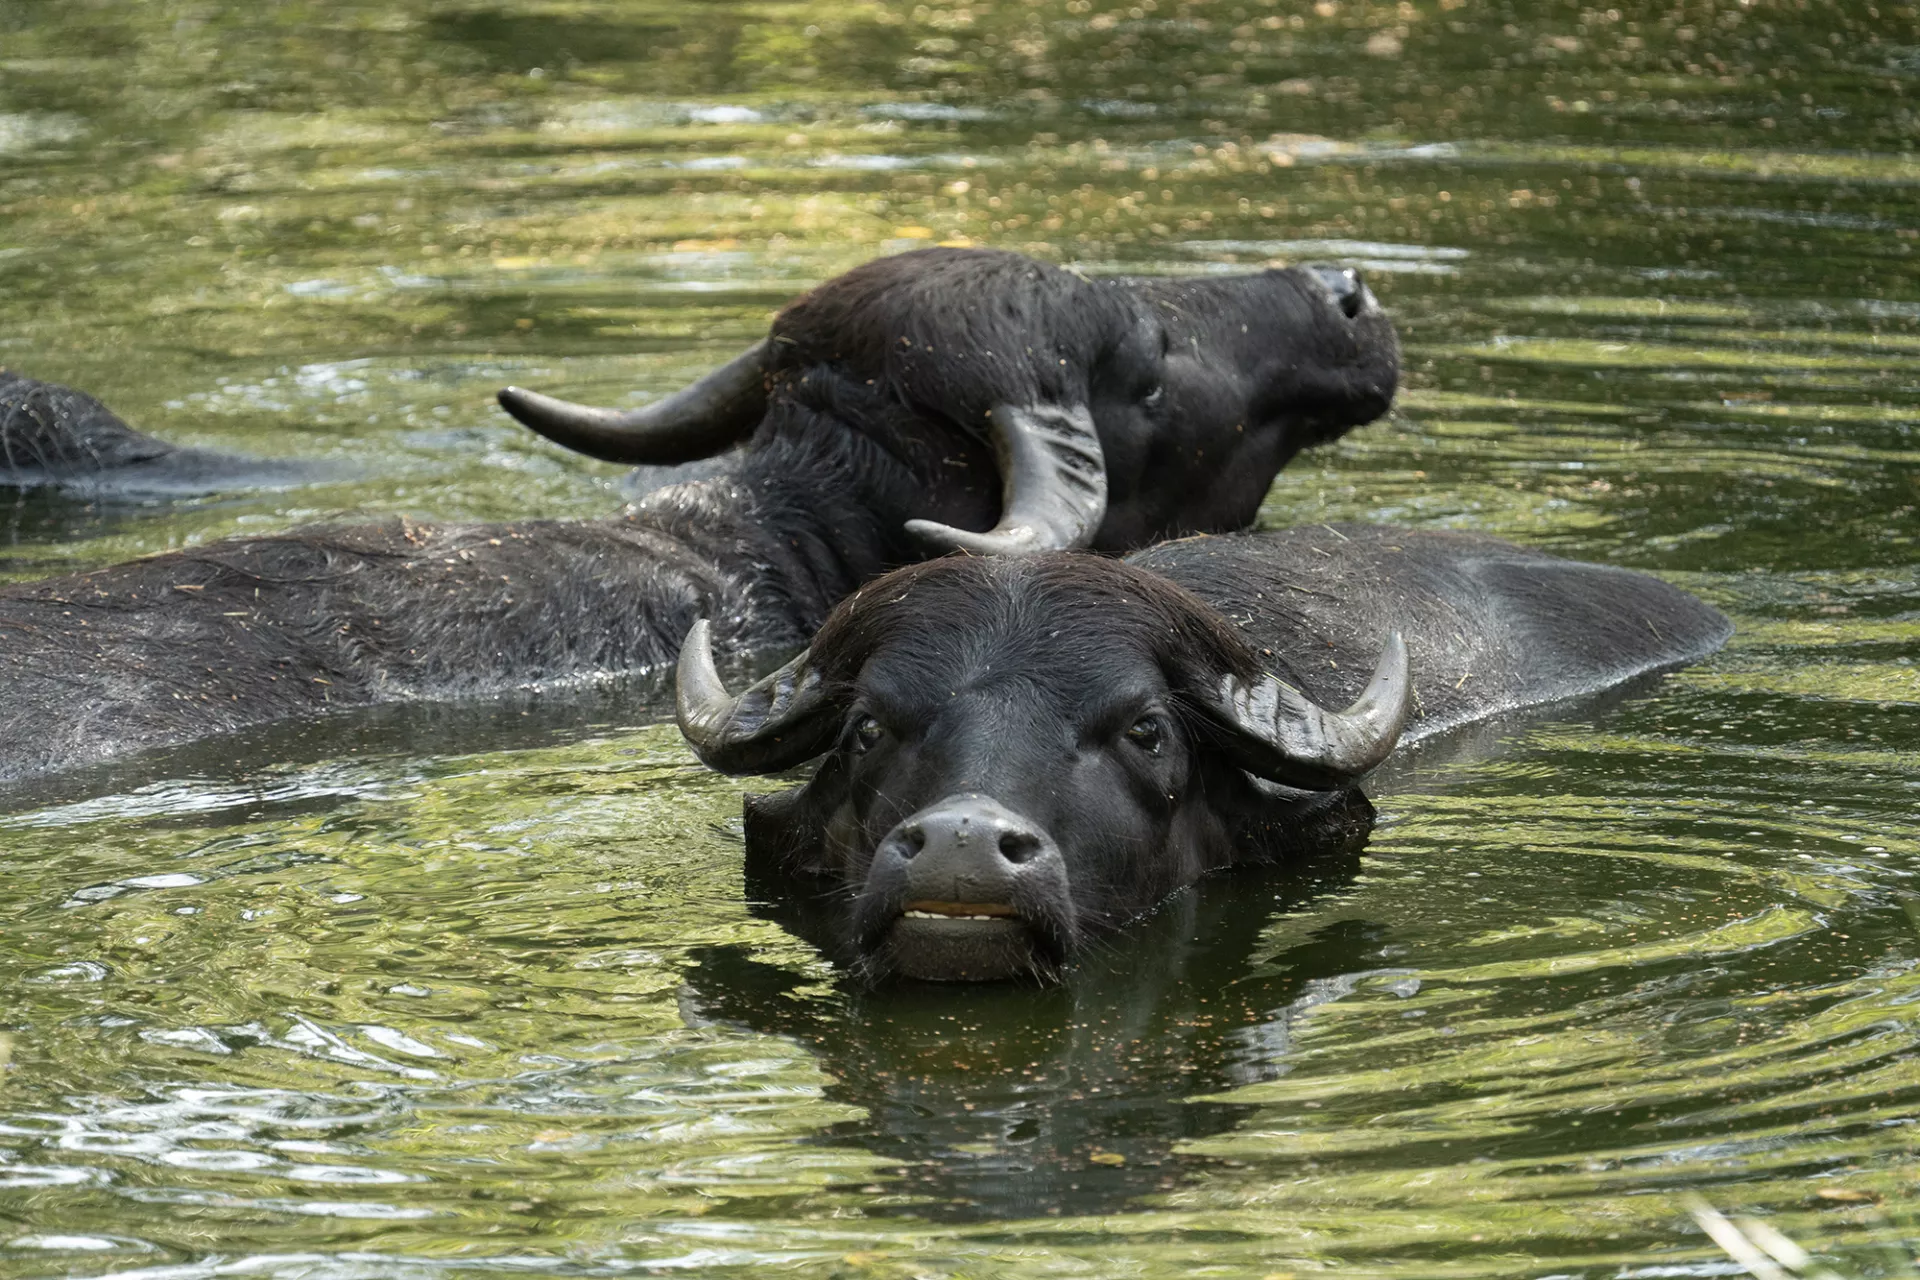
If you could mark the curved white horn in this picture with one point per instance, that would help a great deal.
(1275, 732)
(782, 720)
(1054, 477)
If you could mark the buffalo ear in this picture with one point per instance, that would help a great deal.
(1320, 835)
(1274, 731)
(785, 832)
(783, 720)
(1053, 477)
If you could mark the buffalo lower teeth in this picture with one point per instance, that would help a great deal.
(941, 915)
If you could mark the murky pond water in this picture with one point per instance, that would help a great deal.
(482, 990)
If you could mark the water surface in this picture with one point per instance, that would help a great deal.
(483, 991)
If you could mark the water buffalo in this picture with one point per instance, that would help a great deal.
(1016, 755)
(54, 437)
(934, 399)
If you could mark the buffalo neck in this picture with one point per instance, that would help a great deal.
(818, 504)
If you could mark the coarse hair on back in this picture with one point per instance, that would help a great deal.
(957, 330)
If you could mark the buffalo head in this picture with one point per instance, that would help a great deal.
(1117, 411)
(1020, 754)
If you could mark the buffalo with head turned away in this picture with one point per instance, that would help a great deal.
(1018, 755)
(935, 399)
(1024, 407)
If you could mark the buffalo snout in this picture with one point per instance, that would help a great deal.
(966, 890)
(1350, 292)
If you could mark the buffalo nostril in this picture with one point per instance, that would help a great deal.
(1351, 294)
(913, 840)
(1348, 290)
(1019, 846)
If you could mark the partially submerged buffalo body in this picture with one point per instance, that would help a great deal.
(1016, 755)
(936, 399)
(1019, 748)
(54, 437)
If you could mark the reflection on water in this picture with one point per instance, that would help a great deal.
(997, 1100)
(484, 990)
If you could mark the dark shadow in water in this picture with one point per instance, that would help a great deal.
(51, 516)
(35, 521)
(1007, 1101)
(522, 41)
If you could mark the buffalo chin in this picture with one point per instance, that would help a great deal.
(959, 949)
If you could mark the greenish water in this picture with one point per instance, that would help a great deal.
(483, 992)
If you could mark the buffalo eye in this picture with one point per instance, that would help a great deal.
(867, 731)
(1147, 733)
(1155, 394)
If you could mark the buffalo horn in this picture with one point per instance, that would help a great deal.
(1054, 479)
(1275, 733)
(712, 415)
(784, 720)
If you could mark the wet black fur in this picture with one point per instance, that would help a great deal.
(876, 415)
(1202, 389)
(1020, 680)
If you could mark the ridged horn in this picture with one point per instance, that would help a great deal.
(783, 720)
(697, 421)
(1275, 732)
(1054, 478)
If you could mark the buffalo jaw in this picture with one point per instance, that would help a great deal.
(710, 416)
(1275, 732)
(1053, 475)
